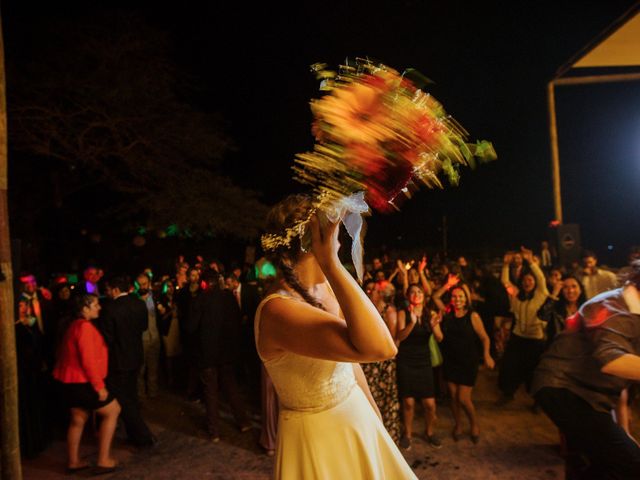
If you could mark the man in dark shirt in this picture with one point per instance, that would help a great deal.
(248, 297)
(185, 298)
(122, 322)
(214, 323)
(579, 380)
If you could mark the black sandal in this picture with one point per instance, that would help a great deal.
(72, 470)
(99, 470)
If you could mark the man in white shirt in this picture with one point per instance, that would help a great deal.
(546, 261)
(595, 280)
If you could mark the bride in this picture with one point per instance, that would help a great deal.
(311, 331)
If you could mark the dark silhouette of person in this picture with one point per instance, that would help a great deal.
(122, 323)
(215, 324)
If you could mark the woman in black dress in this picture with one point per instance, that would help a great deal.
(461, 330)
(416, 324)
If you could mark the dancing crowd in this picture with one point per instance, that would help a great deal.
(108, 342)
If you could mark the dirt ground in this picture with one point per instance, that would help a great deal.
(515, 443)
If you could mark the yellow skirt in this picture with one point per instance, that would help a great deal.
(347, 441)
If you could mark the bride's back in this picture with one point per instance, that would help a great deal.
(304, 383)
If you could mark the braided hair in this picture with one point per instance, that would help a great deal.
(282, 216)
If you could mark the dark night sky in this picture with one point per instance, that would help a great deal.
(490, 62)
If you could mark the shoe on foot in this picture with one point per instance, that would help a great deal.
(456, 435)
(78, 468)
(433, 441)
(214, 438)
(475, 438)
(405, 443)
(100, 470)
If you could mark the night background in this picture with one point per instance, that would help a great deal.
(158, 120)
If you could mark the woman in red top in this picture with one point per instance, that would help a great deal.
(81, 367)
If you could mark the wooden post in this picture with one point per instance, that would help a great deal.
(10, 467)
(553, 125)
(555, 155)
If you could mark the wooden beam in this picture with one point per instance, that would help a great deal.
(614, 77)
(555, 155)
(10, 467)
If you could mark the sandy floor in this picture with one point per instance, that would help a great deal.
(515, 444)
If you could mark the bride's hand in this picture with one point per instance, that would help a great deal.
(324, 240)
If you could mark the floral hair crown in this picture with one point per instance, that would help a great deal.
(271, 241)
(377, 135)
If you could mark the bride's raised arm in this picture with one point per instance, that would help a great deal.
(298, 327)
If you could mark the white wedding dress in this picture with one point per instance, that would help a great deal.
(327, 428)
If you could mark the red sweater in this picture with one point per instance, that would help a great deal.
(83, 355)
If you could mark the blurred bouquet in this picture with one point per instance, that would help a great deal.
(377, 132)
(377, 135)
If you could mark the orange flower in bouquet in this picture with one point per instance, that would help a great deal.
(376, 131)
(377, 135)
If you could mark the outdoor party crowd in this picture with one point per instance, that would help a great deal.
(107, 342)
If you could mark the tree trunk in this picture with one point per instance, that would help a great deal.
(10, 468)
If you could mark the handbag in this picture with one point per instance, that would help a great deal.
(434, 350)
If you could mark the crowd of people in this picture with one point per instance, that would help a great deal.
(107, 342)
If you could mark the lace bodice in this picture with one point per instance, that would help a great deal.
(306, 384)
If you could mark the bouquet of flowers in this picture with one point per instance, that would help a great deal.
(378, 135)
(377, 132)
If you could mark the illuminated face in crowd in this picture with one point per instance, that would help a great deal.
(29, 284)
(528, 283)
(92, 311)
(383, 290)
(517, 259)
(377, 264)
(413, 276)
(144, 282)
(194, 276)
(415, 295)
(64, 293)
(589, 262)
(369, 288)
(113, 292)
(555, 276)
(92, 275)
(231, 283)
(386, 291)
(23, 309)
(458, 299)
(571, 290)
